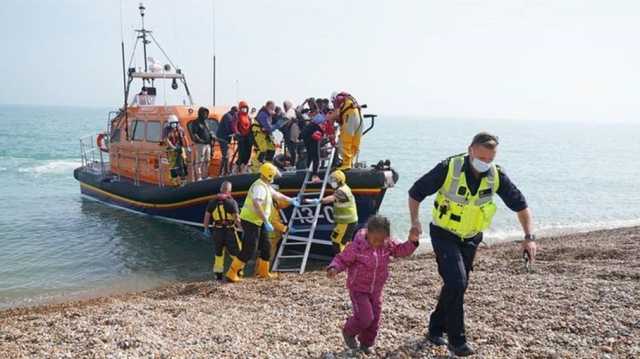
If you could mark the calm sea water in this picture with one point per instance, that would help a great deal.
(54, 244)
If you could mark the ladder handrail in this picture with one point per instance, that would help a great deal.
(297, 214)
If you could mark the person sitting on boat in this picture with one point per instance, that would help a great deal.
(262, 129)
(254, 218)
(244, 137)
(347, 114)
(176, 150)
(345, 211)
(226, 130)
(223, 211)
(290, 131)
(201, 135)
(279, 227)
(143, 98)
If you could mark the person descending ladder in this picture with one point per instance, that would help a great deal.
(296, 244)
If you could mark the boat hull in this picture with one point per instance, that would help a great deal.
(187, 204)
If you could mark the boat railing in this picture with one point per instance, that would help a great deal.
(92, 157)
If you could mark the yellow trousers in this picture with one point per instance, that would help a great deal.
(350, 135)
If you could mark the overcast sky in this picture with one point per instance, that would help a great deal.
(543, 60)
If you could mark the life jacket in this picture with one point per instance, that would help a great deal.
(248, 213)
(459, 211)
(244, 123)
(221, 218)
(345, 212)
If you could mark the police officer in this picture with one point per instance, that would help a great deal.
(463, 208)
(223, 211)
(255, 223)
(345, 211)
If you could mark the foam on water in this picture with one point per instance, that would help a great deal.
(51, 167)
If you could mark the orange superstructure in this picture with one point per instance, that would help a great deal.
(137, 149)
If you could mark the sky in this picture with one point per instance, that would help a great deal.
(533, 60)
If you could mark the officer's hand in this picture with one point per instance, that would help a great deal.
(414, 237)
(530, 247)
(268, 227)
(331, 273)
(416, 229)
(206, 232)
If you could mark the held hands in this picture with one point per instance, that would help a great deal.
(416, 229)
(331, 273)
(413, 237)
(314, 201)
(295, 202)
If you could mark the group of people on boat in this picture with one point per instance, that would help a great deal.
(465, 186)
(306, 131)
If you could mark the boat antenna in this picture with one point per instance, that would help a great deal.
(124, 72)
(143, 35)
(213, 31)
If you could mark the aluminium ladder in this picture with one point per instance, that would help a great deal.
(296, 243)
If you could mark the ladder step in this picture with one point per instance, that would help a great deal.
(310, 193)
(308, 205)
(288, 270)
(295, 244)
(292, 256)
(298, 238)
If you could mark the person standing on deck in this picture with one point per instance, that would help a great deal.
(345, 211)
(223, 211)
(226, 130)
(245, 138)
(255, 223)
(262, 129)
(463, 208)
(347, 114)
(176, 153)
(202, 139)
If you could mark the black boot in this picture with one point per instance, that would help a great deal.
(461, 350)
(436, 339)
(349, 340)
(365, 349)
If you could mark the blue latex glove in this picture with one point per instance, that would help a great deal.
(268, 227)
(314, 201)
(206, 232)
(295, 202)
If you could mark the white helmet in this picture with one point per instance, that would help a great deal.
(172, 119)
(334, 94)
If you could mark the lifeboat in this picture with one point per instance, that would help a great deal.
(127, 166)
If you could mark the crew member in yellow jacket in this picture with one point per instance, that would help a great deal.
(256, 225)
(345, 211)
(347, 113)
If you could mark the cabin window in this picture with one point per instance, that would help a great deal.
(154, 131)
(137, 130)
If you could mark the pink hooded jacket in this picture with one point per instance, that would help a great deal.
(368, 267)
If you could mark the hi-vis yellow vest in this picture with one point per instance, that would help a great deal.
(345, 212)
(248, 213)
(457, 210)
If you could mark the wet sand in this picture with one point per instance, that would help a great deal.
(582, 300)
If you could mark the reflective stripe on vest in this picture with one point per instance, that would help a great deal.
(248, 213)
(221, 218)
(345, 212)
(457, 210)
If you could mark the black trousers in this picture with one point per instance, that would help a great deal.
(245, 144)
(255, 237)
(313, 155)
(226, 238)
(455, 261)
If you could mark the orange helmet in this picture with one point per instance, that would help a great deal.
(242, 104)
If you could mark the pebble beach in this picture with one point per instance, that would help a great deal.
(580, 300)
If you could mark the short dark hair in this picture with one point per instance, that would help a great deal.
(378, 223)
(203, 112)
(485, 139)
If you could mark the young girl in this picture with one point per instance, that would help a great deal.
(366, 260)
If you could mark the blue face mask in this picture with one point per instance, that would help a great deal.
(480, 166)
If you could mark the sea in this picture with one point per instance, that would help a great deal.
(56, 245)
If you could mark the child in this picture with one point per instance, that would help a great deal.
(366, 260)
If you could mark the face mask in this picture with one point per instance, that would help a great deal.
(333, 184)
(480, 166)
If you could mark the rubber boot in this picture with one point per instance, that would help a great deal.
(262, 270)
(218, 265)
(232, 273)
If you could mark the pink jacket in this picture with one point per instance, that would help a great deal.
(368, 267)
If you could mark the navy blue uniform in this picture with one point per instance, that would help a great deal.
(454, 256)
